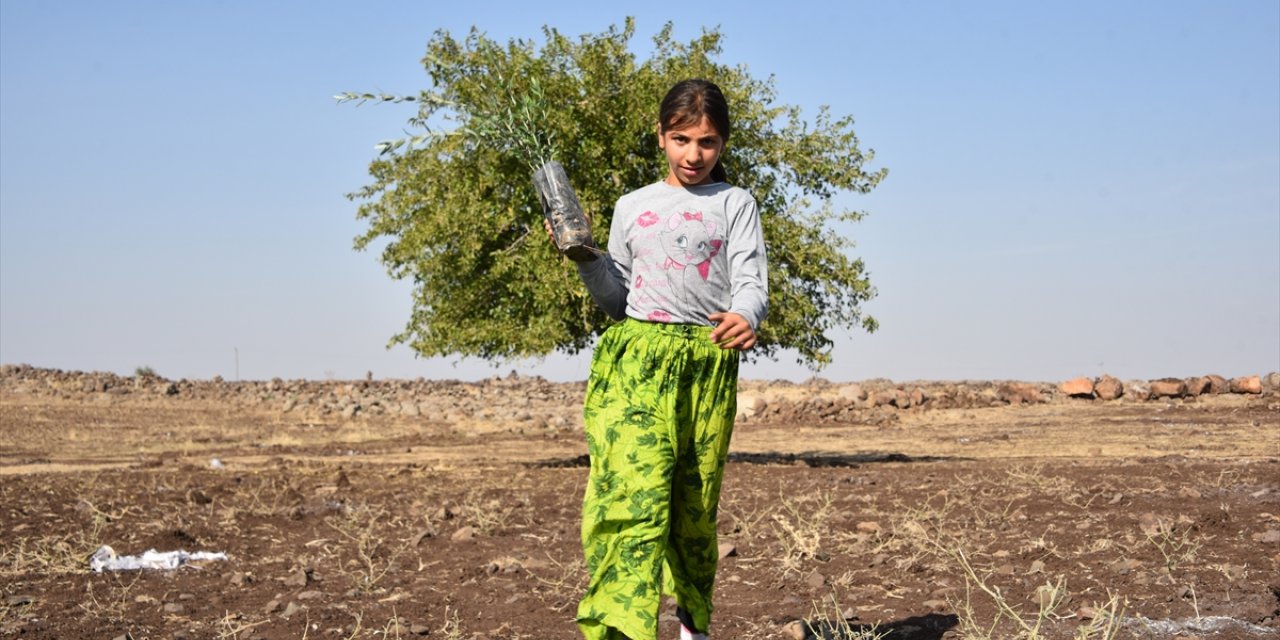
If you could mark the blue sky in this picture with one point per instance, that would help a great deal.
(1075, 187)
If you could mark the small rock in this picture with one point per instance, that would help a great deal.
(20, 600)
(1037, 567)
(342, 482)
(1108, 388)
(299, 578)
(272, 607)
(1218, 384)
(464, 534)
(1271, 382)
(795, 630)
(1248, 384)
(1081, 387)
(1086, 613)
(1269, 536)
(869, 527)
(1019, 393)
(174, 607)
(816, 580)
(751, 405)
(291, 610)
(918, 397)
(350, 411)
(1124, 567)
(1137, 390)
(429, 532)
(419, 629)
(1168, 388)
(852, 392)
(935, 605)
(309, 595)
(1189, 492)
(728, 549)
(288, 405)
(241, 579)
(901, 399)
(1198, 386)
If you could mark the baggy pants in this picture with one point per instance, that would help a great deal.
(659, 412)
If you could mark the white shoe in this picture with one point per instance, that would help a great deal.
(686, 634)
(685, 622)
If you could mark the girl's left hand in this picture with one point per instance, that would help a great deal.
(732, 331)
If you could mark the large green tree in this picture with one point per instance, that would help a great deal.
(459, 214)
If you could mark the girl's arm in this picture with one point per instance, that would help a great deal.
(748, 279)
(748, 268)
(607, 285)
(606, 278)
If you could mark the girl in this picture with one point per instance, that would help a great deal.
(686, 275)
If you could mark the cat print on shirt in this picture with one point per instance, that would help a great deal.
(690, 244)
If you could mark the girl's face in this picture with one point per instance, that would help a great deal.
(691, 153)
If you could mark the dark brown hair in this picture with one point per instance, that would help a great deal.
(687, 103)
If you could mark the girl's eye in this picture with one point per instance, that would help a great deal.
(682, 241)
(702, 246)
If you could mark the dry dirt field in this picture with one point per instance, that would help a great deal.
(407, 509)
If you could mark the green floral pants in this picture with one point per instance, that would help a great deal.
(659, 412)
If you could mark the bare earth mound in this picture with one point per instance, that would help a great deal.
(405, 509)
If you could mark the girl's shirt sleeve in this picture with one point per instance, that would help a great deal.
(748, 264)
(607, 276)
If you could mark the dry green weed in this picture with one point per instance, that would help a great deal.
(1010, 620)
(800, 525)
(376, 554)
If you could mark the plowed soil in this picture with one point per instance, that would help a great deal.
(1149, 519)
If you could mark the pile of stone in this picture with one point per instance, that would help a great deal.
(1109, 388)
(535, 402)
(875, 401)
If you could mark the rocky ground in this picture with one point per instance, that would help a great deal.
(414, 508)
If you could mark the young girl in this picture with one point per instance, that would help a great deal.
(686, 275)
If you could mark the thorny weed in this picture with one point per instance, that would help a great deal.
(487, 516)
(566, 580)
(57, 554)
(799, 527)
(394, 625)
(1176, 544)
(452, 627)
(1009, 620)
(357, 627)
(374, 557)
(268, 496)
(746, 522)
(836, 626)
(111, 607)
(232, 626)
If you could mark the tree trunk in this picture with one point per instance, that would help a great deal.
(569, 225)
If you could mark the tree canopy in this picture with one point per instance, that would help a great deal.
(456, 206)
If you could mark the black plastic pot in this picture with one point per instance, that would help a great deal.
(560, 205)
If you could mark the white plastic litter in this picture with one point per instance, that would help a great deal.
(215, 463)
(106, 559)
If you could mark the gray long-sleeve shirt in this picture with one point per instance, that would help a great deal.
(679, 254)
